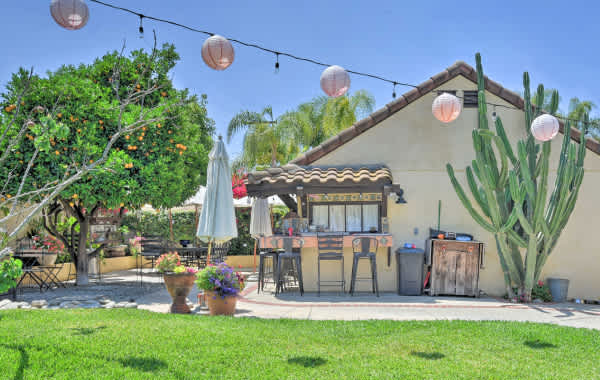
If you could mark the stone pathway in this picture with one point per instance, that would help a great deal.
(125, 291)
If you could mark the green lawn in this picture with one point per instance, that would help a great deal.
(134, 344)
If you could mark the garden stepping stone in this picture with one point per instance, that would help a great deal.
(39, 303)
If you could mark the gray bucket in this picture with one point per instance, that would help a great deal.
(559, 288)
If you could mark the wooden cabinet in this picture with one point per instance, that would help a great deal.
(455, 267)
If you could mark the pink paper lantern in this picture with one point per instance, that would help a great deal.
(217, 52)
(70, 14)
(335, 81)
(446, 107)
(544, 127)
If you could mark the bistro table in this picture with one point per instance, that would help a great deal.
(43, 276)
(192, 255)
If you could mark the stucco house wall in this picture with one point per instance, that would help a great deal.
(416, 147)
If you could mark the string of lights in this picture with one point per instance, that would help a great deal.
(279, 53)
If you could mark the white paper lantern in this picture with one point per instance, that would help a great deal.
(446, 107)
(335, 81)
(217, 52)
(544, 127)
(70, 14)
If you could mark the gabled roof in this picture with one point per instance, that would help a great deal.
(458, 68)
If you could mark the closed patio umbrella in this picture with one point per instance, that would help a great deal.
(260, 222)
(217, 219)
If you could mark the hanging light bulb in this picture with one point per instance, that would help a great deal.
(277, 63)
(394, 91)
(141, 28)
(494, 115)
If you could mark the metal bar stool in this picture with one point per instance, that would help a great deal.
(266, 257)
(286, 247)
(331, 248)
(364, 248)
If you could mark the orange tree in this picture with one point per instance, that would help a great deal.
(152, 141)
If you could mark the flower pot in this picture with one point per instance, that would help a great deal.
(118, 251)
(559, 288)
(47, 259)
(218, 305)
(179, 286)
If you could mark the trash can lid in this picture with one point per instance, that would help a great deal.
(409, 250)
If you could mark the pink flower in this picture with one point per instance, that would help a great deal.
(541, 283)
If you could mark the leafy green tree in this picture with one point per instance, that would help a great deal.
(120, 121)
(315, 121)
(266, 140)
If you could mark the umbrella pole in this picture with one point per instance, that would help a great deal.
(209, 252)
(196, 227)
(255, 244)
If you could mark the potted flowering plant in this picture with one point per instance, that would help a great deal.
(179, 280)
(52, 247)
(222, 285)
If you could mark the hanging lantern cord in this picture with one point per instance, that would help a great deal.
(394, 91)
(276, 62)
(141, 28)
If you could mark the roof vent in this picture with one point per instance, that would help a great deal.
(470, 99)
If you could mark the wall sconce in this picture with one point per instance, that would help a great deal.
(400, 197)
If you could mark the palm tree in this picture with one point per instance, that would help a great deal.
(315, 121)
(266, 142)
(578, 108)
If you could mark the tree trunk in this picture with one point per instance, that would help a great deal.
(82, 254)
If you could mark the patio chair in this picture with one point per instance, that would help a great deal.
(331, 248)
(219, 252)
(289, 262)
(267, 265)
(152, 248)
(364, 248)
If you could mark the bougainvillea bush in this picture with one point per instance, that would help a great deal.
(221, 279)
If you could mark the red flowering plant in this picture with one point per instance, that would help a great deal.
(170, 262)
(48, 243)
(238, 185)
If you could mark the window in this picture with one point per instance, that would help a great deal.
(346, 217)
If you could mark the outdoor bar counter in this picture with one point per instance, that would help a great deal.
(350, 200)
(330, 270)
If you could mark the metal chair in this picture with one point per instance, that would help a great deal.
(331, 248)
(152, 248)
(266, 256)
(286, 247)
(364, 248)
(219, 252)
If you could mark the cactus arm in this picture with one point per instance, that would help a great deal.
(466, 203)
(477, 194)
(507, 147)
(518, 240)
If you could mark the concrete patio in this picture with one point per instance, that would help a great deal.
(125, 286)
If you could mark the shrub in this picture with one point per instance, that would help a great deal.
(10, 271)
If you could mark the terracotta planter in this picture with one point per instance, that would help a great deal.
(220, 306)
(118, 251)
(179, 286)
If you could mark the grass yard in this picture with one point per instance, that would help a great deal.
(134, 344)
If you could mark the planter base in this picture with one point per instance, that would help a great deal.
(179, 286)
(220, 306)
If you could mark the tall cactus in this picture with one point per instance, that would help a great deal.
(511, 194)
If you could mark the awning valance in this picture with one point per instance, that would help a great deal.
(294, 179)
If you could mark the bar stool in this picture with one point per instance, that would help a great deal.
(364, 248)
(331, 248)
(293, 258)
(266, 256)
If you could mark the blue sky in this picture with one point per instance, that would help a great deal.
(556, 41)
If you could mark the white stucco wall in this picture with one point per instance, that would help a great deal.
(416, 147)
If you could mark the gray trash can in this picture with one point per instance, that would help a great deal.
(409, 263)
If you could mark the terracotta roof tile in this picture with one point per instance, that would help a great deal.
(304, 175)
(458, 68)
